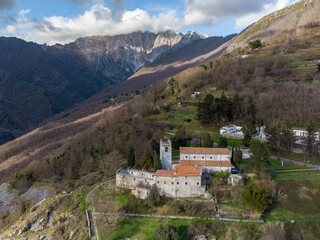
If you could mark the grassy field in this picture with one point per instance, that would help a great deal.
(299, 157)
(300, 195)
(275, 166)
(143, 228)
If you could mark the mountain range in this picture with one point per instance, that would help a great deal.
(40, 81)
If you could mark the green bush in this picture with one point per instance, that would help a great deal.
(223, 174)
(166, 232)
(135, 205)
(255, 196)
(255, 44)
(154, 199)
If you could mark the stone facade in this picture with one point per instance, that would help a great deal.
(130, 178)
(183, 181)
(166, 154)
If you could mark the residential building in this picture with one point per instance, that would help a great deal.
(210, 159)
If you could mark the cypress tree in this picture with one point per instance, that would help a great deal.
(207, 141)
(131, 160)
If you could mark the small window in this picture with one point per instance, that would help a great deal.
(139, 192)
(195, 157)
(166, 149)
(142, 174)
(186, 156)
(134, 179)
(145, 180)
(185, 183)
(172, 189)
(178, 183)
(186, 176)
(202, 157)
(211, 157)
(131, 171)
(159, 188)
(198, 183)
(152, 176)
(164, 182)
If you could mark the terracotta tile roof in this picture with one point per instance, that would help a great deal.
(180, 171)
(205, 163)
(195, 150)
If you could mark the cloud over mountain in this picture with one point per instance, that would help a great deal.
(114, 19)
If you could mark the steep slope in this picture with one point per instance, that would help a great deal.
(118, 57)
(37, 82)
(56, 78)
(168, 65)
(297, 21)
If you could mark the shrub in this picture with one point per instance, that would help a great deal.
(176, 207)
(222, 142)
(135, 205)
(255, 44)
(255, 196)
(166, 232)
(154, 199)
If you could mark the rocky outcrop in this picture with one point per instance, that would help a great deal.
(118, 57)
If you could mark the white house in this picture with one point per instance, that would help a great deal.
(234, 130)
(303, 134)
(210, 159)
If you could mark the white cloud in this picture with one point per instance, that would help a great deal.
(200, 12)
(99, 20)
(248, 19)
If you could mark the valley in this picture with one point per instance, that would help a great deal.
(145, 88)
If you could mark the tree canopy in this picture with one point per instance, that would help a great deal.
(166, 232)
(260, 158)
(256, 197)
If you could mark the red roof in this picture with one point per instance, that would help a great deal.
(205, 163)
(180, 171)
(194, 150)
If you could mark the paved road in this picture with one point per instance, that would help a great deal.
(297, 170)
(295, 162)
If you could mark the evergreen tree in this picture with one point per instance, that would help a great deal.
(260, 159)
(166, 232)
(207, 141)
(250, 119)
(153, 199)
(236, 106)
(275, 139)
(256, 197)
(222, 142)
(131, 160)
(311, 129)
(156, 162)
(205, 110)
(237, 156)
(224, 107)
(246, 138)
(172, 85)
(146, 161)
(155, 146)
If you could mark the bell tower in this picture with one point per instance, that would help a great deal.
(166, 154)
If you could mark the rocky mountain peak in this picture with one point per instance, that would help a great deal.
(128, 51)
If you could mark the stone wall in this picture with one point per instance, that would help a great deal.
(179, 186)
(130, 178)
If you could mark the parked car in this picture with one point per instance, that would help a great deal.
(234, 170)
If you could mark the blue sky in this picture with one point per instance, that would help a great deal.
(62, 21)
